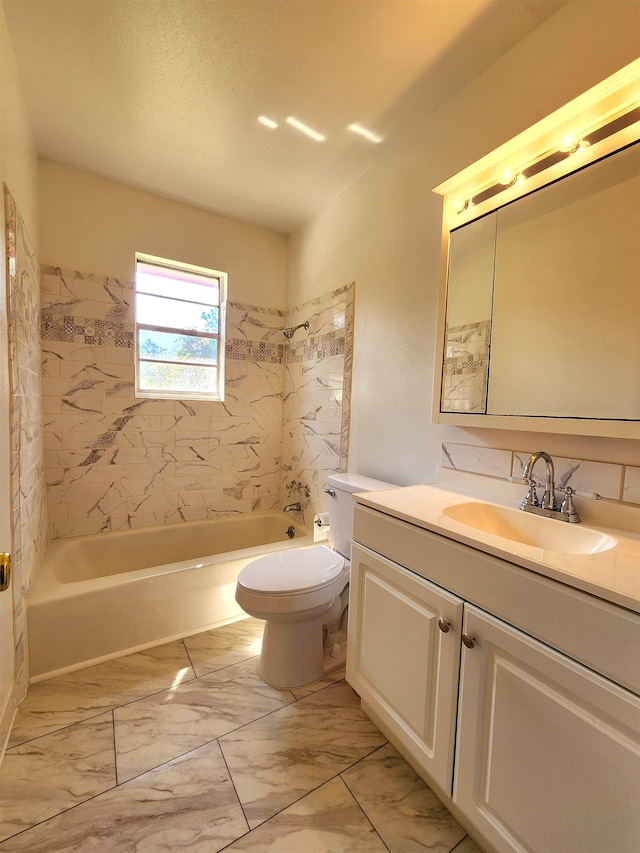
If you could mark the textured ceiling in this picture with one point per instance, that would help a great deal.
(164, 94)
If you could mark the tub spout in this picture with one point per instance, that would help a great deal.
(295, 507)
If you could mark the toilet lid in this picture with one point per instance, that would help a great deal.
(297, 570)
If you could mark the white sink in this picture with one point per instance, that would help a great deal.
(527, 529)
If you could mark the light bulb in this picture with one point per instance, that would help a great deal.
(571, 144)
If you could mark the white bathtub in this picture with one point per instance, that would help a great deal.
(98, 597)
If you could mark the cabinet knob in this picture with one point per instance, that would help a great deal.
(444, 625)
(468, 640)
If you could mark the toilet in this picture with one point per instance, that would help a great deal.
(303, 595)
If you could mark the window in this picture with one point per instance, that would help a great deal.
(180, 315)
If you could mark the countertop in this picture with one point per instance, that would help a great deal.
(612, 575)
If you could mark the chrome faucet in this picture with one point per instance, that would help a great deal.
(549, 498)
(548, 506)
(295, 507)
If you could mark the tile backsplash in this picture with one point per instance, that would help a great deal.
(612, 481)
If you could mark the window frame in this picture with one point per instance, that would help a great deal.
(179, 267)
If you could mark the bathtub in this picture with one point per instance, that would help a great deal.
(98, 597)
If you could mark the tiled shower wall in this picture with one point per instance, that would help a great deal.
(317, 397)
(28, 501)
(114, 461)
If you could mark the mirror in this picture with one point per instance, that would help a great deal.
(543, 301)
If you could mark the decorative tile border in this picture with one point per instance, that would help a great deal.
(85, 330)
(88, 330)
(261, 352)
(318, 346)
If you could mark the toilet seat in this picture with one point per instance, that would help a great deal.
(292, 572)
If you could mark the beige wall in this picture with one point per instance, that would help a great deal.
(383, 232)
(18, 159)
(96, 225)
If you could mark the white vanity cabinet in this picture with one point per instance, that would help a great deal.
(547, 753)
(405, 657)
(516, 716)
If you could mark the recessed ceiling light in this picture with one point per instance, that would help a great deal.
(367, 134)
(268, 122)
(304, 128)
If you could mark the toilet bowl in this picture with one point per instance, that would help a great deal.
(303, 595)
(297, 593)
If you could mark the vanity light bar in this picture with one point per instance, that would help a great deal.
(570, 145)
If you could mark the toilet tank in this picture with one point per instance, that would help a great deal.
(341, 506)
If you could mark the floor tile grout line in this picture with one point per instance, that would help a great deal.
(57, 814)
(226, 666)
(187, 752)
(464, 838)
(111, 709)
(175, 757)
(337, 775)
(235, 791)
(231, 731)
(112, 706)
(108, 710)
(182, 640)
(115, 748)
(219, 669)
(212, 740)
(115, 706)
(359, 804)
(249, 830)
(137, 776)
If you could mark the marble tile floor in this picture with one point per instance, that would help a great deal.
(184, 747)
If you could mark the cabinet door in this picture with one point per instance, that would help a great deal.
(399, 660)
(547, 757)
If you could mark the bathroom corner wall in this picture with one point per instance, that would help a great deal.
(28, 501)
(114, 461)
(384, 231)
(317, 396)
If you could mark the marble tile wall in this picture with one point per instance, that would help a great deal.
(612, 481)
(114, 461)
(317, 396)
(28, 501)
